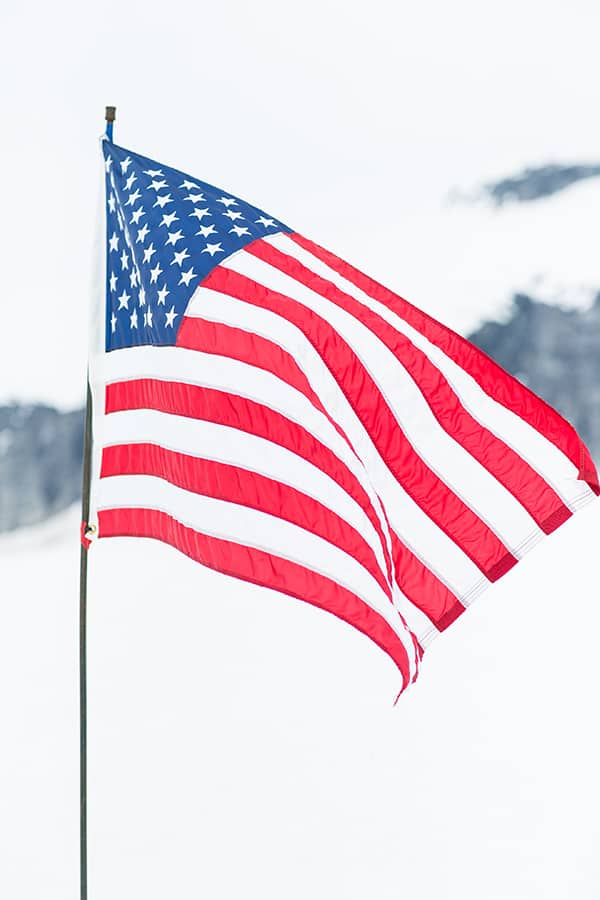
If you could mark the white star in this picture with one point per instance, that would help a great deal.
(108, 163)
(162, 294)
(212, 249)
(168, 219)
(124, 260)
(174, 236)
(111, 203)
(266, 222)
(149, 253)
(205, 230)
(142, 297)
(238, 230)
(133, 278)
(154, 273)
(179, 257)
(162, 201)
(130, 180)
(186, 277)
(137, 215)
(127, 238)
(158, 185)
(125, 165)
(113, 281)
(195, 198)
(141, 235)
(133, 319)
(171, 316)
(200, 213)
(233, 215)
(124, 300)
(133, 198)
(148, 318)
(113, 323)
(189, 185)
(227, 201)
(154, 173)
(114, 241)
(120, 220)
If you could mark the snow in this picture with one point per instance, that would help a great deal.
(244, 744)
(464, 263)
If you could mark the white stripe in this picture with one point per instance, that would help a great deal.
(252, 528)
(464, 475)
(541, 454)
(428, 542)
(210, 440)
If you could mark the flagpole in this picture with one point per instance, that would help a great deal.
(86, 531)
(83, 567)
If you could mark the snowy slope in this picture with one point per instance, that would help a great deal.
(246, 745)
(463, 263)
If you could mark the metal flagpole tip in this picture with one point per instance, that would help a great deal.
(110, 116)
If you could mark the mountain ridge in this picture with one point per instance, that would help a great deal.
(533, 183)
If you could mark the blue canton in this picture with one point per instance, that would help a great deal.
(165, 233)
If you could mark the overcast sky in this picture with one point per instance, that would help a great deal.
(278, 768)
(341, 118)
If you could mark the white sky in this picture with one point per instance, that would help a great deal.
(342, 118)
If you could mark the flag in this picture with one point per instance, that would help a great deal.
(280, 417)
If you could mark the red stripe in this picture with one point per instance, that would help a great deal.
(434, 497)
(451, 616)
(500, 460)
(423, 588)
(491, 377)
(236, 485)
(416, 582)
(259, 568)
(197, 402)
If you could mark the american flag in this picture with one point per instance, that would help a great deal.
(280, 417)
